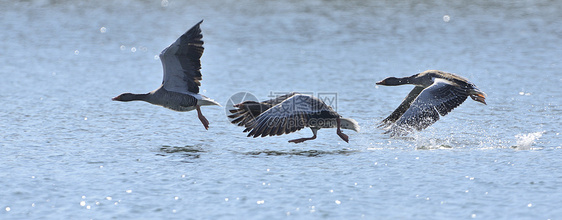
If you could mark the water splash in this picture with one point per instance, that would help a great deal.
(433, 141)
(525, 141)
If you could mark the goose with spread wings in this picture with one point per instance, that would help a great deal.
(435, 93)
(289, 113)
(180, 87)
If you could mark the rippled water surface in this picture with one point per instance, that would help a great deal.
(69, 152)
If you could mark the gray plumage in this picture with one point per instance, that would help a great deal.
(181, 79)
(436, 93)
(289, 113)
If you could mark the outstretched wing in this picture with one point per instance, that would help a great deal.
(403, 107)
(244, 115)
(438, 99)
(289, 116)
(181, 62)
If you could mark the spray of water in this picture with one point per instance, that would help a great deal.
(525, 141)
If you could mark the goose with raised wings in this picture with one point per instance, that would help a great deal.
(435, 94)
(180, 87)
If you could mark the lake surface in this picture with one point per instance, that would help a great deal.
(68, 152)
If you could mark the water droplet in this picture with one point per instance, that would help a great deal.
(133, 49)
(176, 198)
(129, 191)
(122, 47)
(259, 202)
(32, 204)
(446, 18)
(529, 205)
(82, 203)
(103, 30)
(85, 118)
(76, 52)
(164, 3)
(108, 198)
(338, 202)
(88, 207)
(8, 208)
(226, 199)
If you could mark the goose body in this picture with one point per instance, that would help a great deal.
(289, 113)
(179, 90)
(436, 93)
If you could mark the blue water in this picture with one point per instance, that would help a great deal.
(68, 152)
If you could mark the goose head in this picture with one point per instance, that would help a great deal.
(393, 81)
(126, 97)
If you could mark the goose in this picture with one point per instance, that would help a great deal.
(435, 93)
(180, 87)
(289, 113)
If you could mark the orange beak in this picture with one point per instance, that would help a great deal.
(479, 98)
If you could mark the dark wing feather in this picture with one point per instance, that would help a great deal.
(245, 115)
(438, 99)
(182, 62)
(288, 116)
(403, 107)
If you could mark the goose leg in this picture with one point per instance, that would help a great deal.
(202, 118)
(300, 140)
(341, 134)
